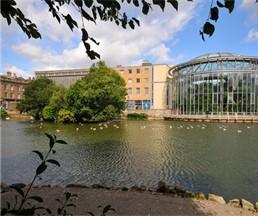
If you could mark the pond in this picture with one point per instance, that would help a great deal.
(209, 157)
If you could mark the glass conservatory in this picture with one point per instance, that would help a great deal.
(218, 83)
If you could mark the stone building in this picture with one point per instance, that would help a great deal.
(12, 88)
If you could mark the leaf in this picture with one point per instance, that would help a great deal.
(87, 16)
(208, 29)
(107, 209)
(93, 40)
(136, 3)
(61, 142)
(174, 3)
(39, 154)
(90, 213)
(54, 162)
(36, 198)
(145, 8)
(18, 190)
(220, 4)
(229, 4)
(78, 3)
(88, 3)
(48, 211)
(71, 205)
(131, 24)
(202, 35)
(214, 14)
(161, 3)
(51, 140)
(67, 195)
(41, 168)
(85, 35)
(70, 22)
(137, 21)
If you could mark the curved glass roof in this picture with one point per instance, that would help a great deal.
(217, 55)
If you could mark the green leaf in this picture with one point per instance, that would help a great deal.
(88, 3)
(161, 3)
(36, 198)
(87, 16)
(174, 3)
(214, 14)
(70, 22)
(61, 142)
(136, 20)
(229, 4)
(208, 28)
(93, 40)
(131, 24)
(67, 195)
(220, 4)
(78, 3)
(136, 3)
(18, 190)
(85, 35)
(51, 140)
(41, 168)
(39, 154)
(54, 162)
(145, 7)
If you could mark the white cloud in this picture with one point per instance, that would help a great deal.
(252, 8)
(252, 35)
(117, 46)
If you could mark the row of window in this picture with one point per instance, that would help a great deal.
(137, 71)
(12, 95)
(138, 80)
(138, 91)
(12, 87)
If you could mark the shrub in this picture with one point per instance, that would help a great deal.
(3, 114)
(137, 116)
(66, 116)
(49, 113)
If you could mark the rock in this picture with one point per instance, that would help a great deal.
(136, 188)
(143, 188)
(200, 196)
(247, 205)
(98, 186)
(163, 187)
(180, 190)
(216, 198)
(76, 186)
(124, 189)
(256, 206)
(234, 202)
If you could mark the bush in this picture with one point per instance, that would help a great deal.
(66, 116)
(137, 116)
(49, 113)
(3, 114)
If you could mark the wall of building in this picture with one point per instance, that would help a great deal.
(160, 74)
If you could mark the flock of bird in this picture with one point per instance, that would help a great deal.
(102, 126)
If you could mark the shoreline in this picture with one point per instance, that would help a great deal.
(170, 200)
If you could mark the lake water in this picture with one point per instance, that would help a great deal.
(209, 157)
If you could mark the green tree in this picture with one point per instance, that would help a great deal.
(56, 103)
(104, 10)
(36, 96)
(99, 96)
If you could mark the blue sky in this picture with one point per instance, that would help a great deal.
(164, 37)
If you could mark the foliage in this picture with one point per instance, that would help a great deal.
(137, 116)
(99, 96)
(3, 114)
(56, 103)
(108, 11)
(24, 195)
(36, 96)
(66, 116)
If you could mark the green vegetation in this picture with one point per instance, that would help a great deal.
(137, 116)
(99, 96)
(108, 11)
(3, 114)
(36, 96)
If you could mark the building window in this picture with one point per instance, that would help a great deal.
(11, 95)
(146, 70)
(6, 95)
(146, 80)
(138, 70)
(129, 91)
(12, 87)
(146, 90)
(129, 80)
(138, 91)
(138, 80)
(130, 71)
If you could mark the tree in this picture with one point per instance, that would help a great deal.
(105, 10)
(36, 96)
(99, 96)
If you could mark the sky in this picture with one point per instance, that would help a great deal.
(167, 37)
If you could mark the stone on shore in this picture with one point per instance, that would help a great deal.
(247, 205)
(256, 206)
(200, 196)
(216, 198)
(234, 202)
(163, 187)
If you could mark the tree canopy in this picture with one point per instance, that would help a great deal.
(104, 10)
(99, 96)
